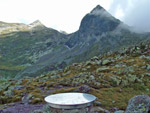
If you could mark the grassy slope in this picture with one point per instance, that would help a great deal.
(114, 78)
(21, 49)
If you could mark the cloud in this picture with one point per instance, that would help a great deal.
(67, 14)
(135, 13)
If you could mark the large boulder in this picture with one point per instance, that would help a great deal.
(139, 104)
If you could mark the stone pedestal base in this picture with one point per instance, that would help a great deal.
(79, 110)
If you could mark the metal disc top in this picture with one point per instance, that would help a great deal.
(70, 100)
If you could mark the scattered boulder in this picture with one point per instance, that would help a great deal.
(138, 104)
(120, 111)
(147, 74)
(95, 58)
(100, 110)
(131, 78)
(27, 99)
(128, 70)
(105, 62)
(116, 80)
(37, 111)
(8, 93)
(90, 63)
(46, 109)
(97, 103)
(83, 89)
(92, 77)
(101, 69)
(148, 67)
(124, 83)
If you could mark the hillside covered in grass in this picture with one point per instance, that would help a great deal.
(113, 78)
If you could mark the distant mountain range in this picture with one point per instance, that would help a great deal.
(32, 50)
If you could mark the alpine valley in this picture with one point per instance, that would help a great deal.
(105, 57)
(32, 50)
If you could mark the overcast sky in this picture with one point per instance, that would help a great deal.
(66, 15)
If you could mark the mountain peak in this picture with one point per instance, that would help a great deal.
(100, 11)
(98, 21)
(98, 7)
(36, 23)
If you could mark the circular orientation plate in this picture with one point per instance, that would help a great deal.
(70, 100)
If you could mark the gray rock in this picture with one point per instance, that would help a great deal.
(102, 69)
(148, 67)
(129, 69)
(116, 80)
(8, 93)
(132, 78)
(124, 82)
(126, 70)
(99, 109)
(97, 103)
(90, 63)
(26, 99)
(84, 69)
(83, 89)
(147, 74)
(37, 111)
(19, 87)
(88, 67)
(95, 58)
(97, 84)
(46, 109)
(138, 104)
(117, 66)
(92, 77)
(105, 62)
(120, 111)
(147, 90)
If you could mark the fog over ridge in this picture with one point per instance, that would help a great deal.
(136, 13)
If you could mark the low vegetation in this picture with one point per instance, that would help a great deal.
(113, 78)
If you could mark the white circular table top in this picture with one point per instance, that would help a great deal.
(62, 100)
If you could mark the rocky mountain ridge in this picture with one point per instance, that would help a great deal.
(6, 28)
(43, 49)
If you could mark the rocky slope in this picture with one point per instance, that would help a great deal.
(114, 78)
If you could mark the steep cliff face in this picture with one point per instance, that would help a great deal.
(98, 21)
(94, 24)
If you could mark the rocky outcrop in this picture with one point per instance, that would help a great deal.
(139, 104)
(36, 23)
